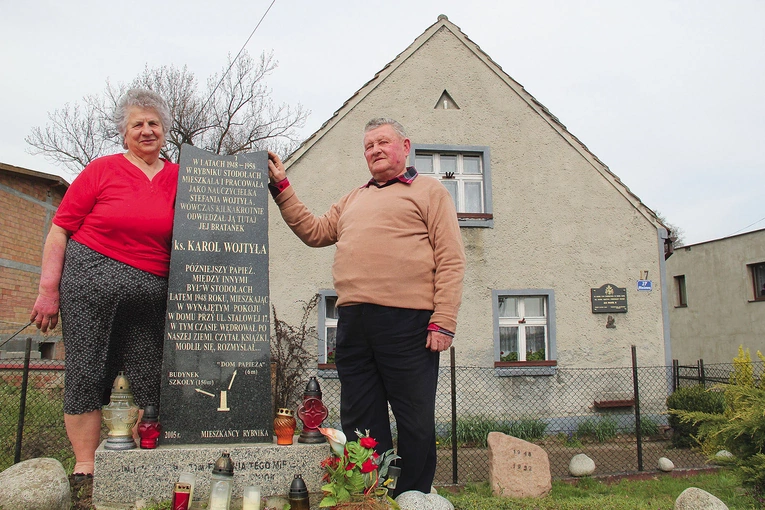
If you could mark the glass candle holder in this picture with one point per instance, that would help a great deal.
(298, 494)
(284, 426)
(221, 483)
(191, 479)
(251, 498)
(120, 416)
(149, 428)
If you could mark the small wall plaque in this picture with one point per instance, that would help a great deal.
(609, 299)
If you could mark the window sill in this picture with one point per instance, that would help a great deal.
(327, 371)
(757, 300)
(681, 306)
(547, 363)
(480, 220)
(524, 368)
(474, 216)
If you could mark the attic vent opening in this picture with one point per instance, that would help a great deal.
(445, 102)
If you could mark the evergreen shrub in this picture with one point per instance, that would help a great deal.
(691, 399)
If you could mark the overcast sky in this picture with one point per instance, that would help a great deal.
(668, 94)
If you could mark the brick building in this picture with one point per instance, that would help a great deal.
(28, 201)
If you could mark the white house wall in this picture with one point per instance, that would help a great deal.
(561, 220)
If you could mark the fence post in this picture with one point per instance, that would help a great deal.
(675, 375)
(454, 415)
(22, 401)
(702, 375)
(636, 392)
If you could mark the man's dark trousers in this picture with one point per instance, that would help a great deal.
(381, 357)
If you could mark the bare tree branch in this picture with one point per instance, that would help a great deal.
(74, 135)
(290, 355)
(244, 116)
(238, 117)
(676, 234)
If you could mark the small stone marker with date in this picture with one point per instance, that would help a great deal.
(517, 468)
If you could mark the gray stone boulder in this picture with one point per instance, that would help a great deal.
(581, 465)
(693, 498)
(666, 465)
(416, 500)
(439, 502)
(723, 457)
(35, 484)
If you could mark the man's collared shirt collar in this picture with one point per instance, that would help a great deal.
(407, 177)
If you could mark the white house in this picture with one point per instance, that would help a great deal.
(544, 221)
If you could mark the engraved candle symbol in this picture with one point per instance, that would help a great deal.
(224, 393)
(223, 402)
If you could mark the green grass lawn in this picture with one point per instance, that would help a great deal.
(658, 492)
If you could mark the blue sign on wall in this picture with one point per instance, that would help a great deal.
(645, 285)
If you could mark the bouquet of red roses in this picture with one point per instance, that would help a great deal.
(354, 470)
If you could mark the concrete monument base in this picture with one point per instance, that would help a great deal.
(123, 477)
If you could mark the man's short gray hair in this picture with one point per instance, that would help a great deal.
(383, 121)
(141, 98)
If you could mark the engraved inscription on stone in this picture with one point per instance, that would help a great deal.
(519, 456)
(216, 384)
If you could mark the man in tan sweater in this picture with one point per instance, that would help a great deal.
(398, 273)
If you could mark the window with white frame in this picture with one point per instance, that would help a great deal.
(464, 171)
(327, 326)
(524, 326)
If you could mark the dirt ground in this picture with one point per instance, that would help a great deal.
(610, 458)
(81, 494)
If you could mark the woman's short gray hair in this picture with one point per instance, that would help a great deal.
(141, 98)
(383, 121)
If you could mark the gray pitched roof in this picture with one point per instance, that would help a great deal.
(443, 23)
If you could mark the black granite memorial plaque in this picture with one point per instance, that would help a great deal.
(216, 377)
(609, 298)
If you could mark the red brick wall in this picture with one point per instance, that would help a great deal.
(23, 227)
(18, 290)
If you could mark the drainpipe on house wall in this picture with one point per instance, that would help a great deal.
(663, 242)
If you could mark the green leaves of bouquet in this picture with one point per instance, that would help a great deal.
(354, 470)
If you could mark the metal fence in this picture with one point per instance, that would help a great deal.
(708, 374)
(31, 410)
(616, 416)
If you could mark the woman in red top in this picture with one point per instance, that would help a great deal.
(106, 261)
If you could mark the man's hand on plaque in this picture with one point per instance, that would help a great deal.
(276, 172)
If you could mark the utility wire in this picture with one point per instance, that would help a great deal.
(746, 227)
(16, 333)
(233, 61)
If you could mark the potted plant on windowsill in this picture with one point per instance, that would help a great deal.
(355, 475)
(533, 359)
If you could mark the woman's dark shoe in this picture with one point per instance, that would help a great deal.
(81, 477)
